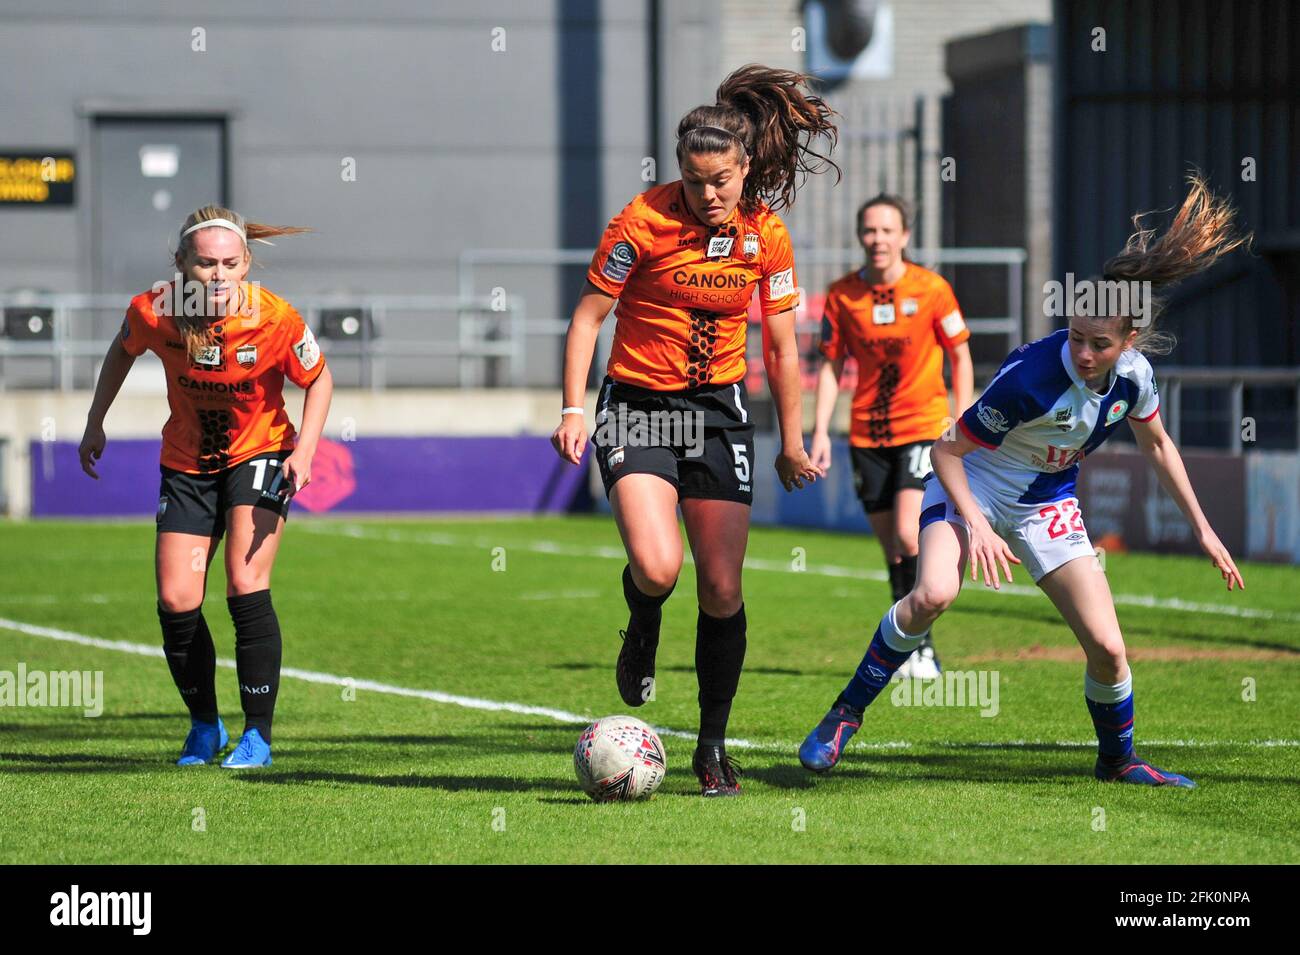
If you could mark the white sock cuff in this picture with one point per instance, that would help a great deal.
(893, 634)
(1105, 692)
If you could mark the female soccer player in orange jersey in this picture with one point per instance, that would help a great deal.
(896, 319)
(672, 424)
(230, 461)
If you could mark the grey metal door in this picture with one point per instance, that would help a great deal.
(149, 174)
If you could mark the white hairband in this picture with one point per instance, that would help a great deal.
(719, 129)
(223, 224)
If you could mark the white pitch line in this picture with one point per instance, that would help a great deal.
(49, 600)
(311, 676)
(577, 719)
(554, 548)
(1186, 743)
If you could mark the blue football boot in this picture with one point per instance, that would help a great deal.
(825, 744)
(205, 741)
(1137, 770)
(252, 751)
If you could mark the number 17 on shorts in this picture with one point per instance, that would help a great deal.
(267, 477)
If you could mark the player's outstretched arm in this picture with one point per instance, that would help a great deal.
(989, 553)
(781, 359)
(117, 363)
(570, 438)
(1159, 449)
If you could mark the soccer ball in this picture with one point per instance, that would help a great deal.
(619, 758)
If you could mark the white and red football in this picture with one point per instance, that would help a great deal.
(619, 758)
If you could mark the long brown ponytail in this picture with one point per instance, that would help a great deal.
(197, 331)
(774, 118)
(1200, 234)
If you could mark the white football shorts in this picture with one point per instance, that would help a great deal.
(1044, 536)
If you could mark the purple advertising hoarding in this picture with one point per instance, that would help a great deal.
(367, 475)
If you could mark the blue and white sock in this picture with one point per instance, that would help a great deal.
(1112, 715)
(889, 649)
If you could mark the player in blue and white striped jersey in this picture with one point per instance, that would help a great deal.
(1003, 488)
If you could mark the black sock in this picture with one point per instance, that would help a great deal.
(647, 612)
(896, 582)
(257, 658)
(719, 657)
(192, 659)
(906, 576)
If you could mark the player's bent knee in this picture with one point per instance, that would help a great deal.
(657, 578)
(721, 611)
(933, 599)
(240, 584)
(719, 600)
(1109, 658)
(179, 599)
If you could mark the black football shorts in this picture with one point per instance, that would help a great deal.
(880, 473)
(197, 503)
(700, 441)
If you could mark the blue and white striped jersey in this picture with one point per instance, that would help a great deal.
(1037, 419)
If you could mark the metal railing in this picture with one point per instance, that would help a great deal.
(1172, 379)
(490, 342)
(492, 331)
(487, 328)
(1010, 324)
(1014, 259)
(473, 261)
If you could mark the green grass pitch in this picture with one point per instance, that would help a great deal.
(475, 613)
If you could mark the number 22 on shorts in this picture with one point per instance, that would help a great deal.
(1066, 511)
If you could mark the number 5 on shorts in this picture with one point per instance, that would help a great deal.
(742, 463)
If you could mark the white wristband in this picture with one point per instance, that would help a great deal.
(564, 411)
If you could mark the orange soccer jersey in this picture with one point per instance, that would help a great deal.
(228, 404)
(684, 289)
(897, 334)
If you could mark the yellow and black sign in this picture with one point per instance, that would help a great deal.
(37, 178)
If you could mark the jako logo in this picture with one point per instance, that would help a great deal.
(256, 690)
(103, 908)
